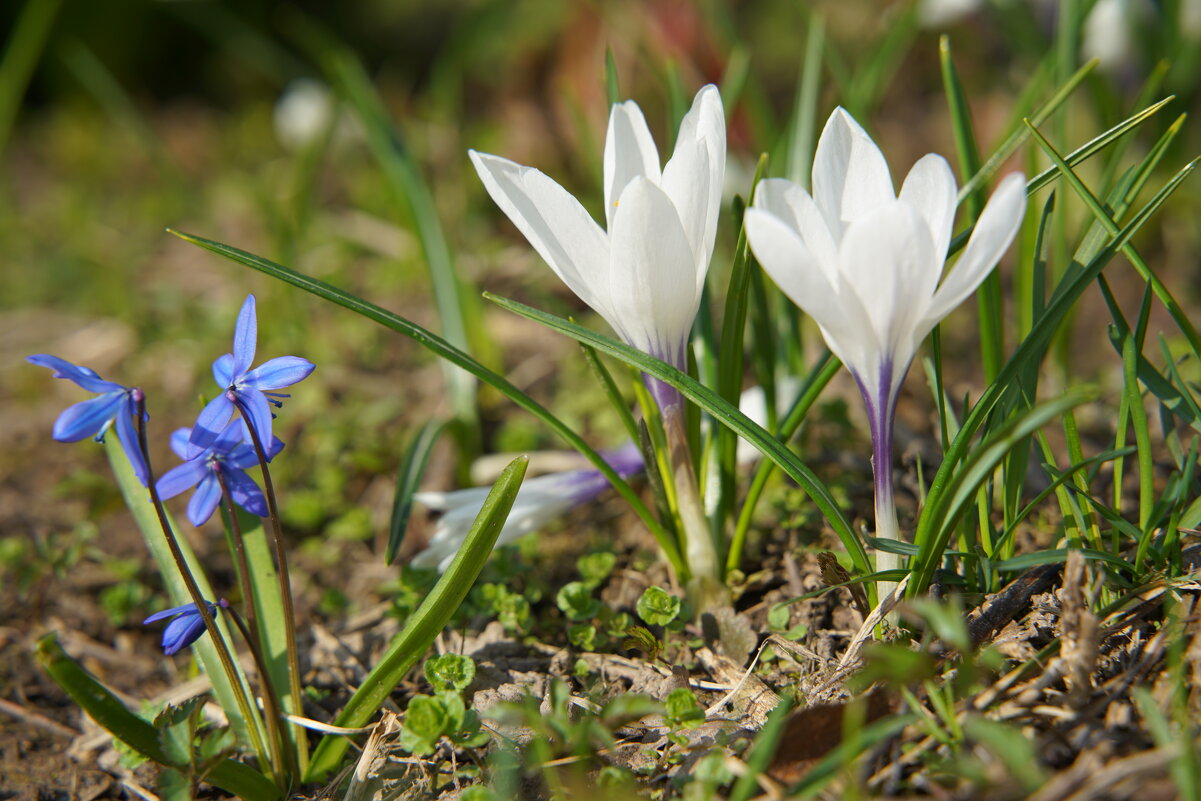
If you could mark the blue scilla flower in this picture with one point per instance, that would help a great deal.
(186, 625)
(92, 418)
(226, 458)
(246, 389)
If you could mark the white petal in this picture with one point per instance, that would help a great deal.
(705, 123)
(686, 182)
(652, 278)
(994, 232)
(930, 188)
(784, 256)
(850, 176)
(888, 262)
(794, 206)
(553, 221)
(629, 152)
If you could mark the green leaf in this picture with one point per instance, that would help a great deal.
(595, 567)
(450, 672)
(443, 349)
(578, 601)
(426, 720)
(657, 607)
(412, 468)
(114, 717)
(681, 709)
(429, 619)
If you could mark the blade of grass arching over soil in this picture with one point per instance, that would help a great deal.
(444, 350)
(410, 194)
(429, 619)
(715, 405)
(943, 513)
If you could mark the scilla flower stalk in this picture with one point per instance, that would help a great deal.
(866, 264)
(645, 271)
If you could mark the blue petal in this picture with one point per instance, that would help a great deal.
(245, 492)
(172, 612)
(128, 435)
(87, 418)
(182, 477)
(223, 370)
(182, 632)
(246, 334)
(179, 442)
(210, 424)
(243, 457)
(255, 407)
(83, 376)
(233, 436)
(208, 495)
(280, 372)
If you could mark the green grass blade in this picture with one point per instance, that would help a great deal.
(21, 54)
(803, 125)
(761, 752)
(429, 619)
(611, 391)
(715, 405)
(412, 468)
(115, 718)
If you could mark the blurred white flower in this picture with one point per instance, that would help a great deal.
(644, 274)
(941, 13)
(867, 265)
(302, 113)
(540, 500)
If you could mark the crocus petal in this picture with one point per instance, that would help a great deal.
(127, 435)
(888, 262)
(205, 500)
(182, 632)
(83, 376)
(209, 425)
(784, 256)
(283, 371)
(223, 370)
(553, 221)
(686, 183)
(630, 153)
(246, 335)
(850, 175)
(705, 122)
(930, 189)
(245, 492)
(793, 205)
(256, 407)
(652, 279)
(994, 232)
(182, 477)
(86, 418)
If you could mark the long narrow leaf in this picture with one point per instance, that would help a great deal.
(412, 468)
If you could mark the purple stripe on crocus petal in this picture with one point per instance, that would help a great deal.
(245, 492)
(179, 442)
(182, 632)
(205, 500)
(127, 434)
(256, 409)
(881, 413)
(223, 370)
(85, 377)
(246, 335)
(87, 418)
(210, 424)
(283, 371)
(182, 478)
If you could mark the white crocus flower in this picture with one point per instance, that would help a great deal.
(645, 270)
(867, 265)
(539, 501)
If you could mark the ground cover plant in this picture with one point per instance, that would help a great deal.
(819, 481)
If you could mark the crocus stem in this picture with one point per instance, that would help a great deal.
(699, 551)
(202, 607)
(285, 585)
(881, 412)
